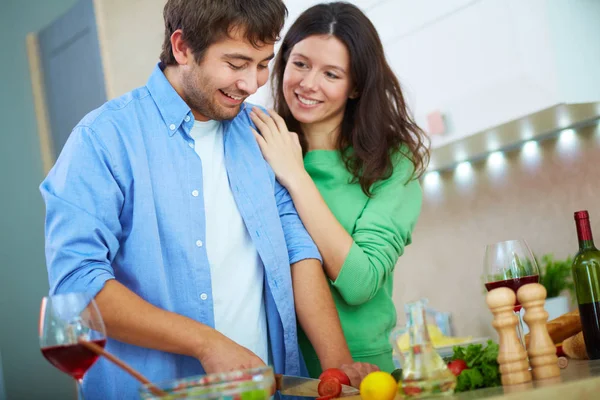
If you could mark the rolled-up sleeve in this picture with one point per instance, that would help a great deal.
(380, 235)
(83, 204)
(299, 243)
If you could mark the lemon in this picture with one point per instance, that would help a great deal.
(378, 385)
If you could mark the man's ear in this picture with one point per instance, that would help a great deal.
(180, 49)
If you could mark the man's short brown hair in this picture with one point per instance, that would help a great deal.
(205, 22)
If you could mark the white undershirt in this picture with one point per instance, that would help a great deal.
(236, 269)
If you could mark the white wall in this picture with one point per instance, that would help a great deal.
(577, 39)
(130, 34)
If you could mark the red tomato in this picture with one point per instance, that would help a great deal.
(336, 373)
(329, 386)
(457, 366)
(325, 398)
(411, 390)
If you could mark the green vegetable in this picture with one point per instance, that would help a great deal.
(556, 276)
(483, 369)
(469, 379)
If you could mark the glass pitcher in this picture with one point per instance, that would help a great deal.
(424, 373)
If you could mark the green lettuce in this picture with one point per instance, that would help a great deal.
(483, 366)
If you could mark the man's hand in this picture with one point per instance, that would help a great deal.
(357, 371)
(131, 319)
(222, 354)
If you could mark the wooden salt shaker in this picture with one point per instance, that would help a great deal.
(512, 357)
(541, 349)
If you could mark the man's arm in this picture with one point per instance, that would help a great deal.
(317, 314)
(315, 308)
(130, 319)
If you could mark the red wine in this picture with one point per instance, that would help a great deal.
(513, 284)
(72, 359)
(590, 318)
(586, 276)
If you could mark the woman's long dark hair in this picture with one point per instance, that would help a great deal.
(377, 124)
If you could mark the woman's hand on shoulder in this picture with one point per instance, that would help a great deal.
(279, 147)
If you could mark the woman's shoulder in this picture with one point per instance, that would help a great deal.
(403, 168)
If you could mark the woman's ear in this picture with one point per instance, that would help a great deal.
(354, 94)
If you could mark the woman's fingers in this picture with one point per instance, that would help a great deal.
(261, 126)
(269, 122)
(259, 138)
(294, 137)
(279, 122)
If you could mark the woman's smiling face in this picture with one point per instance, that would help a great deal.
(316, 81)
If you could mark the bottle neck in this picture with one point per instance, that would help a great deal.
(584, 234)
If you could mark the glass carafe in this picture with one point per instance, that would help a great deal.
(424, 373)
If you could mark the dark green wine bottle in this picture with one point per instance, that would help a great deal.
(586, 276)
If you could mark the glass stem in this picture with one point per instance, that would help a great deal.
(520, 333)
(80, 389)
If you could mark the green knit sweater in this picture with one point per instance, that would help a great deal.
(381, 227)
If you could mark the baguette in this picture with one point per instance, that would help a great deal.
(562, 327)
(574, 347)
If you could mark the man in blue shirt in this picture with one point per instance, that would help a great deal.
(162, 208)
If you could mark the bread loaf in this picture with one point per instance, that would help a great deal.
(562, 327)
(574, 347)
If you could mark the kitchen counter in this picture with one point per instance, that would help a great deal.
(580, 380)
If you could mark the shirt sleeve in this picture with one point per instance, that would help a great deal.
(83, 204)
(299, 243)
(380, 235)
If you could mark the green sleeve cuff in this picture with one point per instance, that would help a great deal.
(350, 282)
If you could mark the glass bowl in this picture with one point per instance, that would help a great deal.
(249, 384)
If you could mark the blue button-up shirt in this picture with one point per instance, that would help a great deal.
(120, 206)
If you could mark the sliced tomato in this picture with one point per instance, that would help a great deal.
(411, 390)
(336, 373)
(330, 386)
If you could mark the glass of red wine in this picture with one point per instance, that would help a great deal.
(510, 264)
(65, 321)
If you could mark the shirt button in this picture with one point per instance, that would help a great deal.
(195, 193)
(187, 118)
(191, 145)
(204, 296)
(172, 127)
(199, 243)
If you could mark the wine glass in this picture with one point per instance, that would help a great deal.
(510, 264)
(65, 321)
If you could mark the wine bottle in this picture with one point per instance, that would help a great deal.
(586, 276)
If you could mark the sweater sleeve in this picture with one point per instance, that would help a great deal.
(380, 234)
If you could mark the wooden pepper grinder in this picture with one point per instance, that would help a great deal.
(512, 357)
(541, 349)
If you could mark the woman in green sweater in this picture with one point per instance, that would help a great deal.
(344, 145)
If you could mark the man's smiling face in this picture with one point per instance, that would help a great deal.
(230, 71)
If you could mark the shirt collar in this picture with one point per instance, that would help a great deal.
(171, 106)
